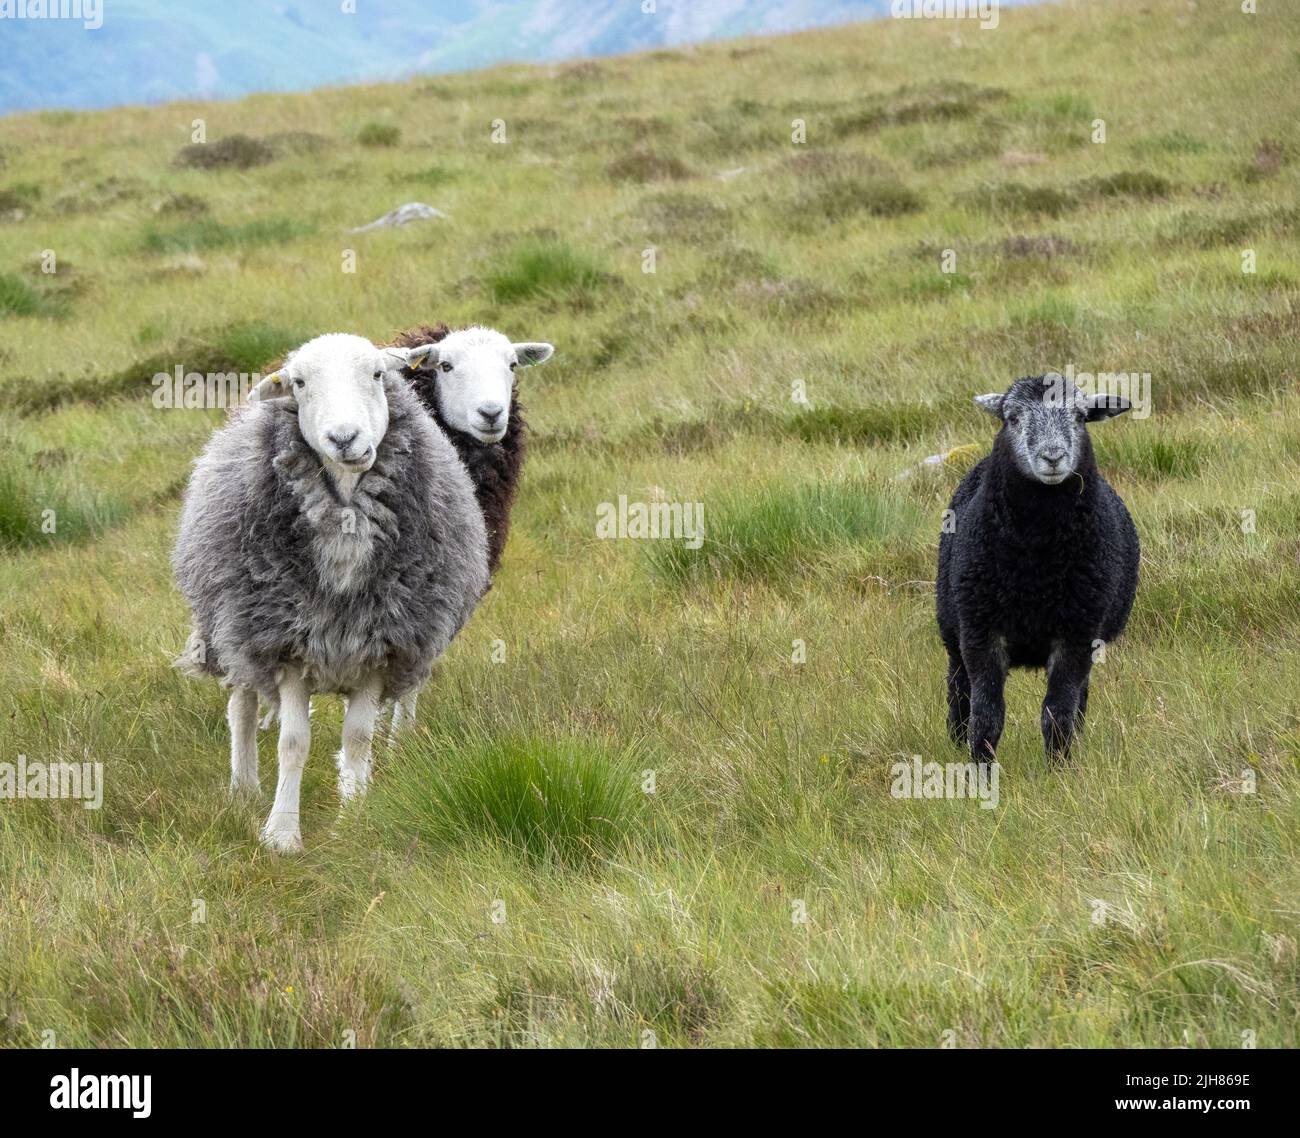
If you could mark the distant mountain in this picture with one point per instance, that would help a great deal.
(150, 51)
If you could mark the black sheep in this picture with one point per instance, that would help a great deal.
(1038, 564)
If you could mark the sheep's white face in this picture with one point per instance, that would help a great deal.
(1045, 418)
(474, 377)
(337, 381)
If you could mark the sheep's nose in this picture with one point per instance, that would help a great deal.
(491, 412)
(1053, 456)
(342, 439)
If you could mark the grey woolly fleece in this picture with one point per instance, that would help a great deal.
(264, 555)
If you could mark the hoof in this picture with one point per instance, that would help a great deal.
(282, 839)
(351, 787)
(352, 784)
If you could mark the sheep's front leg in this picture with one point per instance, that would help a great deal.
(241, 714)
(358, 737)
(1068, 671)
(281, 831)
(986, 665)
(958, 699)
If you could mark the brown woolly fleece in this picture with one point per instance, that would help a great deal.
(493, 467)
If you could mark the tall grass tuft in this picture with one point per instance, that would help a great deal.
(379, 134)
(17, 297)
(37, 509)
(781, 532)
(1140, 454)
(543, 268)
(234, 152)
(564, 800)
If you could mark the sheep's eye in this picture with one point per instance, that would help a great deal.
(378, 375)
(514, 364)
(446, 367)
(299, 383)
(1014, 420)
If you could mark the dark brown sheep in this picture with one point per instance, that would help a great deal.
(493, 467)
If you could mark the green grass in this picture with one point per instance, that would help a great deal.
(508, 881)
(566, 801)
(36, 510)
(17, 298)
(379, 134)
(784, 533)
(247, 346)
(204, 234)
(542, 269)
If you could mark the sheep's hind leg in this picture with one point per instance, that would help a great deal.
(958, 699)
(358, 738)
(1067, 687)
(282, 832)
(403, 715)
(241, 714)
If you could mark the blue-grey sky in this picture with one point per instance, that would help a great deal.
(147, 51)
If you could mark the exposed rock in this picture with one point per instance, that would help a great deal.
(411, 211)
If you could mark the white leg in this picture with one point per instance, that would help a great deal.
(403, 714)
(241, 714)
(361, 711)
(281, 831)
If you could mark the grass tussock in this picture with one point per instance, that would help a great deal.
(40, 505)
(777, 534)
(543, 269)
(234, 152)
(567, 801)
(47, 296)
(378, 134)
(644, 166)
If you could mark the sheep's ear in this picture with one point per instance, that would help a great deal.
(426, 355)
(992, 403)
(530, 354)
(1106, 407)
(270, 387)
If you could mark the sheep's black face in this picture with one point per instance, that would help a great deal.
(1045, 419)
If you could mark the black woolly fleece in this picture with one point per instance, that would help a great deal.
(1034, 563)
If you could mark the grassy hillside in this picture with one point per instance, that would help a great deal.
(508, 881)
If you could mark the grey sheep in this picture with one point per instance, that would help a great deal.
(330, 541)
